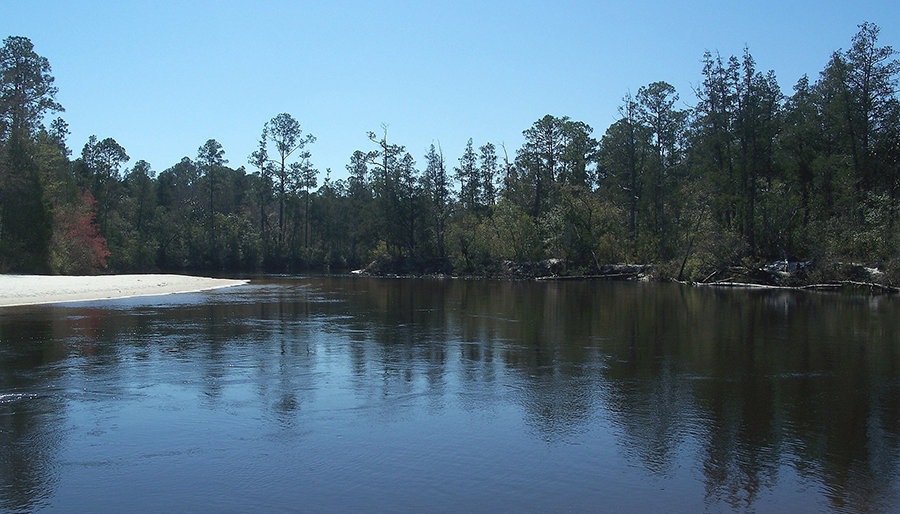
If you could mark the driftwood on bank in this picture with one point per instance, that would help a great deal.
(607, 276)
(786, 275)
(871, 285)
(840, 284)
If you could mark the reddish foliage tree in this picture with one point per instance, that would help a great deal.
(77, 246)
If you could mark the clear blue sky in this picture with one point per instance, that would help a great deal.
(163, 77)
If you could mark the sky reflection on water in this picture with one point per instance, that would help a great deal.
(343, 394)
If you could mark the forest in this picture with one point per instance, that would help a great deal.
(749, 175)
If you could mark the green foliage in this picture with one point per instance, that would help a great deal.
(714, 253)
(584, 230)
(513, 234)
(469, 243)
(470, 180)
(25, 216)
(556, 151)
(745, 176)
(27, 93)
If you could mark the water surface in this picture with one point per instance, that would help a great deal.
(341, 394)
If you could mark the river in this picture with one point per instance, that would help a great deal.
(350, 394)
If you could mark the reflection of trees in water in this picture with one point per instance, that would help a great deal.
(756, 381)
(746, 383)
(35, 386)
(653, 414)
(280, 340)
(396, 353)
(646, 395)
(411, 325)
(548, 353)
(30, 440)
(776, 381)
(30, 423)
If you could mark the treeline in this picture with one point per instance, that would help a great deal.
(747, 175)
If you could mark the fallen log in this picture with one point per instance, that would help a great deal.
(873, 286)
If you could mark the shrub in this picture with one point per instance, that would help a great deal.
(76, 246)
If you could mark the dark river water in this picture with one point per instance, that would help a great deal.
(342, 394)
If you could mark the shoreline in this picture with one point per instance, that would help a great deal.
(24, 290)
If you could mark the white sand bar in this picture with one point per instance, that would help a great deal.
(38, 289)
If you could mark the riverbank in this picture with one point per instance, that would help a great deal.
(773, 275)
(18, 290)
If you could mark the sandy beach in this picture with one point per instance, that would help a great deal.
(39, 289)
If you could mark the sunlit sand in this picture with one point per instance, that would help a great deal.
(40, 289)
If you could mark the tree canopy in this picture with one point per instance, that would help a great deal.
(747, 174)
